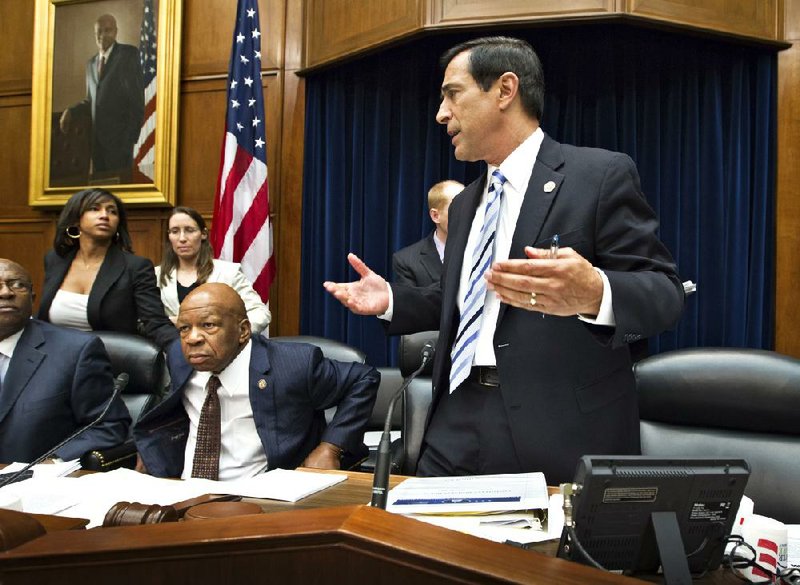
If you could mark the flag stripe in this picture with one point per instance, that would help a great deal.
(241, 230)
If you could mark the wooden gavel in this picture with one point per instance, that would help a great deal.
(134, 513)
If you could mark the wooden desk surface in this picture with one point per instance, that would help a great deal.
(357, 490)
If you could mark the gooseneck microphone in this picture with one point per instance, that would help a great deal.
(383, 460)
(119, 385)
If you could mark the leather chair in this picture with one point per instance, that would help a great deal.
(418, 396)
(145, 365)
(331, 349)
(391, 380)
(732, 403)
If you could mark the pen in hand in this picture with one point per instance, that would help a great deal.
(554, 247)
(553, 251)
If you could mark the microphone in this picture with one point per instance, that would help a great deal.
(380, 481)
(25, 473)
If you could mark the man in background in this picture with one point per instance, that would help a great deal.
(114, 101)
(53, 381)
(240, 404)
(420, 264)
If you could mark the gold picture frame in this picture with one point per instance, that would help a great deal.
(62, 63)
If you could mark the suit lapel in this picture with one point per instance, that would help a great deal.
(110, 270)
(262, 392)
(429, 258)
(461, 218)
(169, 294)
(26, 360)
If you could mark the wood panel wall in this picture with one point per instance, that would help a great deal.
(26, 234)
(787, 308)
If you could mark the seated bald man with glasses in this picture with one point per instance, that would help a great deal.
(240, 404)
(53, 381)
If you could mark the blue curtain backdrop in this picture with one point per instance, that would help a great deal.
(697, 116)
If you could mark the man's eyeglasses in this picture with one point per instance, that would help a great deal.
(17, 286)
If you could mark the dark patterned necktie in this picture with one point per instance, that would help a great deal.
(206, 451)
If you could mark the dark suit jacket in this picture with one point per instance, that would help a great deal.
(123, 294)
(58, 380)
(418, 264)
(291, 385)
(567, 386)
(116, 104)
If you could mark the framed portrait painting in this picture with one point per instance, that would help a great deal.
(104, 108)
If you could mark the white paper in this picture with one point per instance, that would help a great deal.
(373, 438)
(92, 495)
(45, 470)
(469, 494)
(793, 546)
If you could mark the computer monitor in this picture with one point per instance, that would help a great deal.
(637, 513)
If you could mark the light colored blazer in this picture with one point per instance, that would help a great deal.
(229, 273)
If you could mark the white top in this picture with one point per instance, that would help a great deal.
(241, 452)
(69, 310)
(229, 273)
(7, 347)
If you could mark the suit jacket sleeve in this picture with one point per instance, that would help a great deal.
(91, 388)
(646, 291)
(149, 308)
(349, 386)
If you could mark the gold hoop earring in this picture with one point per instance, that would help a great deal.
(73, 232)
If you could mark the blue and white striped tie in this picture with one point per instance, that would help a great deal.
(472, 311)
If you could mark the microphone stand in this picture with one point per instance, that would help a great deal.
(119, 385)
(383, 460)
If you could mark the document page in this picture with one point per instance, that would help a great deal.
(469, 494)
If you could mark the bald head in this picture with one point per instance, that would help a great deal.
(213, 326)
(16, 297)
(105, 31)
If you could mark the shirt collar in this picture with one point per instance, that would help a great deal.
(107, 52)
(237, 374)
(8, 344)
(518, 166)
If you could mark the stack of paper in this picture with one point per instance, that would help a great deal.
(90, 496)
(509, 507)
(45, 470)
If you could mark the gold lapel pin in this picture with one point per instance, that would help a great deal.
(549, 186)
(262, 383)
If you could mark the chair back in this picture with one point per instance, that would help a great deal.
(418, 396)
(727, 402)
(331, 349)
(145, 365)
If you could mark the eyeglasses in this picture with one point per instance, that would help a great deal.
(743, 556)
(189, 231)
(17, 286)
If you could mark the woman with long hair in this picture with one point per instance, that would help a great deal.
(92, 279)
(188, 262)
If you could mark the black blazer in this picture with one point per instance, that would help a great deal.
(418, 264)
(567, 385)
(124, 293)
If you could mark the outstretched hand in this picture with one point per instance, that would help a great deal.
(567, 285)
(367, 296)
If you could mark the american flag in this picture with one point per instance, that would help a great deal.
(241, 230)
(144, 149)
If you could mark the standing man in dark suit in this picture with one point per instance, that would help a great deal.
(53, 381)
(552, 267)
(265, 399)
(420, 264)
(115, 101)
